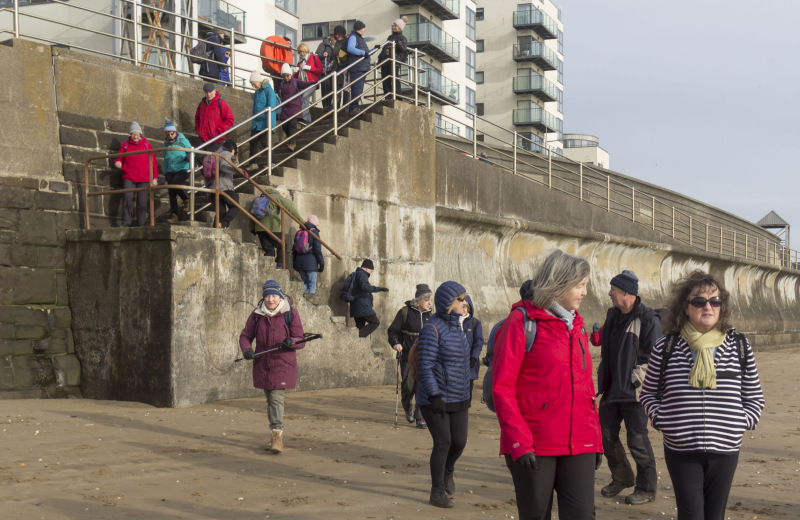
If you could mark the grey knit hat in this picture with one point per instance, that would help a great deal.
(135, 128)
(627, 281)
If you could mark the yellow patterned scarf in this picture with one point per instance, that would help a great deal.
(703, 374)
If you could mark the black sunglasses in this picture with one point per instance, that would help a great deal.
(461, 299)
(699, 302)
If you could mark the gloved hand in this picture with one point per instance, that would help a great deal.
(598, 461)
(306, 66)
(384, 289)
(249, 354)
(472, 362)
(437, 405)
(594, 337)
(595, 327)
(527, 461)
(287, 344)
(321, 268)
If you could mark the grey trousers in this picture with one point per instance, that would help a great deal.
(275, 408)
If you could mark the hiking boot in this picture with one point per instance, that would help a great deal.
(421, 424)
(613, 489)
(174, 218)
(291, 146)
(186, 205)
(639, 497)
(439, 498)
(449, 483)
(277, 441)
(410, 417)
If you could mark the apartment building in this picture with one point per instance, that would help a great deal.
(442, 31)
(520, 65)
(586, 149)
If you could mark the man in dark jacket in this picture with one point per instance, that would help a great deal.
(358, 60)
(627, 337)
(208, 69)
(361, 308)
(325, 55)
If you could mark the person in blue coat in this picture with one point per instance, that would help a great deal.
(176, 168)
(214, 40)
(358, 56)
(443, 386)
(310, 263)
(263, 97)
(361, 308)
(474, 332)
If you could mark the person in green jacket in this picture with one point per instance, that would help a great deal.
(176, 168)
(272, 221)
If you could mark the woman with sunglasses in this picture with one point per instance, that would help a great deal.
(443, 386)
(703, 396)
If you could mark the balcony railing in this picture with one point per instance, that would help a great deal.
(441, 87)
(538, 118)
(444, 9)
(536, 20)
(536, 84)
(221, 13)
(538, 53)
(433, 41)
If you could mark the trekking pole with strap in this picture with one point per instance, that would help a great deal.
(397, 390)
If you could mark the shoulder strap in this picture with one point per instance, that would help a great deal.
(434, 329)
(529, 326)
(287, 317)
(741, 350)
(669, 346)
(404, 313)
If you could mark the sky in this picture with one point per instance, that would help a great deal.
(700, 97)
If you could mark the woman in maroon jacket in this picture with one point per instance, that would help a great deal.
(275, 325)
(292, 109)
(545, 399)
(136, 174)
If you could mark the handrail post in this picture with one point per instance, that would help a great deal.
(216, 191)
(416, 77)
(136, 32)
(192, 184)
(335, 104)
(633, 204)
(580, 181)
(269, 141)
(474, 142)
(283, 239)
(395, 68)
(150, 193)
(515, 144)
(16, 33)
(233, 60)
(429, 99)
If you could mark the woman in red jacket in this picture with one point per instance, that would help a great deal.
(136, 174)
(309, 69)
(545, 398)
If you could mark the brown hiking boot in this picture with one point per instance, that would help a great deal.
(174, 218)
(639, 497)
(614, 489)
(277, 441)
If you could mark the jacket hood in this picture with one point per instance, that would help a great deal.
(446, 295)
(471, 306)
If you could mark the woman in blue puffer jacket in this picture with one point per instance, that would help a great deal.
(443, 375)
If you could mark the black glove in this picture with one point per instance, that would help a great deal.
(384, 289)
(527, 461)
(321, 268)
(248, 354)
(437, 405)
(287, 344)
(472, 362)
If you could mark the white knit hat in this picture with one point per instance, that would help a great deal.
(256, 77)
(286, 69)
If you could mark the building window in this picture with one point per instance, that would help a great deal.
(470, 24)
(470, 61)
(478, 109)
(479, 14)
(470, 104)
(479, 138)
(478, 45)
(287, 32)
(479, 77)
(287, 5)
(469, 132)
(315, 31)
(561, 42)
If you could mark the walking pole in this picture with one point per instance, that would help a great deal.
(397, 390)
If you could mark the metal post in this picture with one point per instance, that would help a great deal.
(192, 184)
(233, 60)
(580, 182)
(395, 68)
(416, 77)
(150, 193)
(429, 99)
(335, 104)
(269, 142)
(136, 32)
(515, 147)
(16, 21)
(474, 142)
(633, 204)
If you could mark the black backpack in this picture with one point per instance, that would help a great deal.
(530, 334)
(347, 290)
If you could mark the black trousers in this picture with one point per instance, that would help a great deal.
(258, 142)
(327, 88)
(179, 177)
(449, 435)
(702, 483)
(271, 247)
(290, 128)
(386, 73)
(227, 211)
(611, 417)
(367, 325)
(408, 389)
(570, 476)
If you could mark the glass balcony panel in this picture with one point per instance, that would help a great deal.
(434, 41)
(222, 13)
(444, 9)
(538, 53)
(431, 79)
(536, 20)
(536, 84)
(538, 118)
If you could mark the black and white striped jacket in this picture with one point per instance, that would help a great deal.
(705, 420)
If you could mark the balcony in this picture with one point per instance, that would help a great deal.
(537, 53)
(433, 41)
(537, 21)
(444, 9)
(538, 118)
(221, 14)
(536, 84)
(443, 89)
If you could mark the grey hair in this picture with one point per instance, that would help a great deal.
(559, 273)
(422, 298)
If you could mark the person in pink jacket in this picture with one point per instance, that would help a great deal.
(136, 174)
(545, 398)
(275, 325)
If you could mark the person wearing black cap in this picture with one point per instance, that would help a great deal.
(361, 307)
(358, 54)
(403, 331)
(626, 340)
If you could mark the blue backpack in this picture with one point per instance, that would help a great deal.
(260, 207)
(530, 334)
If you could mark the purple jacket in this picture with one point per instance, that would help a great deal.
(287, 89)
(278, 369)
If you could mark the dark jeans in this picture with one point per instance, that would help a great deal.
(611, 417)
(570, 476)
(179, 177)
(127, 202)
(327, 88)
(408, 389)
(230, 211)
(357, 88)
(386, 73)
(449, 435)
(258, 142)
(367, 325)
(702, 483)
(290, 128)
(271, 246)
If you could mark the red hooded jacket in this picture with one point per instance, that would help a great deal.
(134, 167)
(545, 399)
(212, 118)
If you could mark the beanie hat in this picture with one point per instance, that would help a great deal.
(339, 30)
(135, 128)
(271, 287)
(169, 126)
(256, 77)
(422, 290)
(401, 22)
(359, 25)
(627, 281)
(286, 69)
(313, 219)
(209, 87)
(368, 264)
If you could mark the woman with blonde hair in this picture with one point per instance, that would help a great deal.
(309, 69)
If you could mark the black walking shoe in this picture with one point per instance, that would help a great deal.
(421, 424)
(449, 483)
(439, 498)
(614, 489)
(639, 497)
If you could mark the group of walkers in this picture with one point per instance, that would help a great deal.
(696, 382)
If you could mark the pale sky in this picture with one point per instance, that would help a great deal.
(699, 97)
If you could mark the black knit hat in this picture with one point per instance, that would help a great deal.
(627, 281)
(367, 263)
(359, 25)
(339, 29)
(422, 289)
